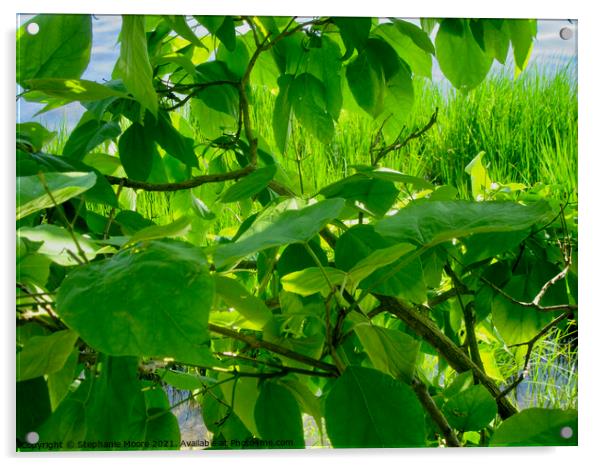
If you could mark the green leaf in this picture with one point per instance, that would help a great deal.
(402, 40)
(281, 119)
(236, 296)
(277, 416)
(133, 65)
(290, 226)
(222, 27)
(313, 280)
(73, 90)
(390, 351)
(118, 308)
(496, 38)
(371, 195)
(34, 135)
(366, 79)
(237, 60)
(367, 257)
(479, 179)
(432, 222)
(459, 55)
(33, 268)
(250, 185)
(117, 408)
(485, 245)
(45, 355)
(308, 96)
(324, 62)
(173, 142)
(418, 36)
(32, 195)
(244, 398)
(59, 382)
(61, 48)
(136, 151)
(178, 23)
(88, 136)
(522, 33)
(470, 410)
(368, 409)
(174, 229)
(354, 32)
(538, 427)
(58, 244)
(68, 422)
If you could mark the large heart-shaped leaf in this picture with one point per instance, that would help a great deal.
(151, 300)
(367, 409)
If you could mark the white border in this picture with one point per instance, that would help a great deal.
(590, 108)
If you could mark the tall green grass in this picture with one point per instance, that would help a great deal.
(527, 128)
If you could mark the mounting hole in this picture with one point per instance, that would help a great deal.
(32, 438)
(33, 28)
(566, 33)
(566, 432)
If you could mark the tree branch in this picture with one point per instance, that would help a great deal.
(436, 415)
(454, 355)
(255, 343)
(471, 336)
(188, 184)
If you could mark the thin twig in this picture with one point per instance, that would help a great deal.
(255, 343)
(414, 135)
(188, 184)
(533, 304)
(530, 345)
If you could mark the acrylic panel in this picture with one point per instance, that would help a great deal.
(242, 232)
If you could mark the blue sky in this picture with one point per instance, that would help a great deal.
(550, 52)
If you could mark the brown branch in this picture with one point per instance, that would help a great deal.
(383, 152)
(455, 357)
(469, 319)
(282, 369)
(255, 343)
(533, 304)
(530, 345)
(196, 89)
(188, 184)
(436, 415)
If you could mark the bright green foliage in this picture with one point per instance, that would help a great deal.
(133, 66)
(291, 226)
(88, 136)
(224, 221)
(391, 351)
(459, 55)
(430, 223)
(60, 49)
(42, 191)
